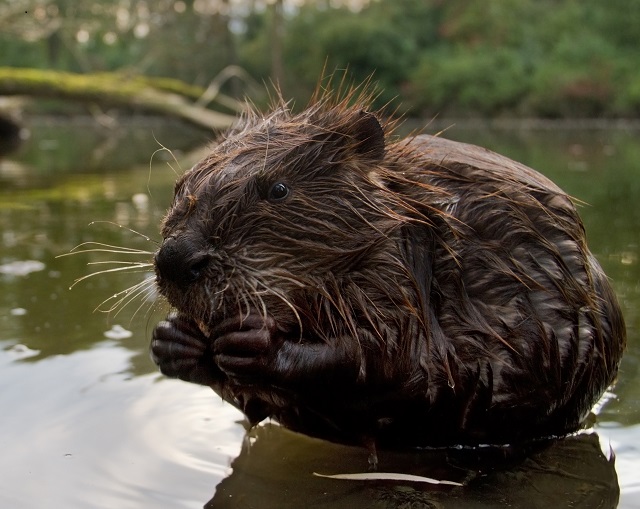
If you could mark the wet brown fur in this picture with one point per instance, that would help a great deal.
(417, 291)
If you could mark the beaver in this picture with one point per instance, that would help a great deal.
(369, 289)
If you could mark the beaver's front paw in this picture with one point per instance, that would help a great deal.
(181, 351)
(245, 348)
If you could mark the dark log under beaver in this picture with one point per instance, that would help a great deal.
(366, 289)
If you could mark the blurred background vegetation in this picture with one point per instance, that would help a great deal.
(462, 58)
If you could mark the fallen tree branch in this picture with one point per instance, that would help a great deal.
(113, 89)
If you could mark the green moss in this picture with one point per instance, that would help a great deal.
(22, 80)
(61, 84)
(73, 190)
(158, 95)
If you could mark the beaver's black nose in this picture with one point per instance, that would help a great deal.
(180, 261)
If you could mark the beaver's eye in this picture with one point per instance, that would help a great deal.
(278, 192)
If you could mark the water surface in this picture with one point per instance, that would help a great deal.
(88, 422)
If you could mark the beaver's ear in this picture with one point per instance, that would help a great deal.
(368, 135)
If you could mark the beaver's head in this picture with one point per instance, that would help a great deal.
(284, 207)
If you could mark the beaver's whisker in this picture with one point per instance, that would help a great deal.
(148, 299)
(103, 248)
(126, 296)
(141, 290)
(121, 262)
(145, 237)
(128, 267)
(117, 251)
(131, 288)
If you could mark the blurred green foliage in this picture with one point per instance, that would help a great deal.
(543, 58)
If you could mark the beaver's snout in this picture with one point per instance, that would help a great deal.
(180, 261)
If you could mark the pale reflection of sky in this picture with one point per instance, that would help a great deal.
(76, 433)
(624, 442)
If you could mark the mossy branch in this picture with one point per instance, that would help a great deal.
(154, 95)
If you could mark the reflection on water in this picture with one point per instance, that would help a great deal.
(87, 421)
(275, 470)
(79, 431)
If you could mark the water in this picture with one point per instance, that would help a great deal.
(87, 422)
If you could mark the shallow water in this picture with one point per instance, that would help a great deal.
(87, 421)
